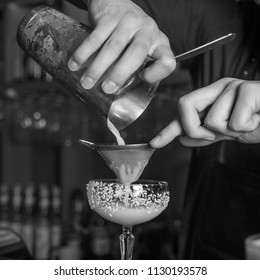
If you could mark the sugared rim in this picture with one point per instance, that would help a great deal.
(141, 181)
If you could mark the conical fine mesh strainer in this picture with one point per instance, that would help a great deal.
(126, 161)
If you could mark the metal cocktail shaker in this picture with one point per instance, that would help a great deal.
(50, 38)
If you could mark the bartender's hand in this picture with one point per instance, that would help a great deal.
(120, 25)
(228, 109)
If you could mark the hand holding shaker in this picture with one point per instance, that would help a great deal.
(50, 38)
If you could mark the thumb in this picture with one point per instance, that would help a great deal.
(191, 142)
(165, 136)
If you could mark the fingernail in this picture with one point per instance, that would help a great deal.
(87, 82)
(209, 138)
(73, 65)
(155, 140)
(109, 87)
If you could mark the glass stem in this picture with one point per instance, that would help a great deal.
(127, 240)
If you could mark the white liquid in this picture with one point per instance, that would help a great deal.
(112, 128)
(128, 174)
(129, 216)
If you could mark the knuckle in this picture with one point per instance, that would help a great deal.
(95, 40)
(140, 46)
(150, 23)
(129, 21)
(235, 126)
(227, 80)
(114, 45)
(212, 123)
(232, 83)
(183, 102)
(247, 88)
(145, 22)
(164, 40)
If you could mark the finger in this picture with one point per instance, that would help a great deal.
(110, 51)
(90, 45)
(130, 61)
(193, 104)
(248, 125)
(250, 137)
(245, 116)
(190, 142)
(163, 65)
(218, 116)
(168, 134)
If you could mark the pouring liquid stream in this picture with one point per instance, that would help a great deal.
(113, 129)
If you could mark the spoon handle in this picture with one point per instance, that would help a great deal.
(208, 46)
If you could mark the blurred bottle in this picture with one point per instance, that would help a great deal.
(4, 206)
(76, 211)
(32, 70)
(56, 223)
(17, 208)
(20, 120)
(43, 223)
(28, 216)
(72, 248)
(98, 240)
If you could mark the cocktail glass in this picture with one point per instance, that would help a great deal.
(128, 205)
